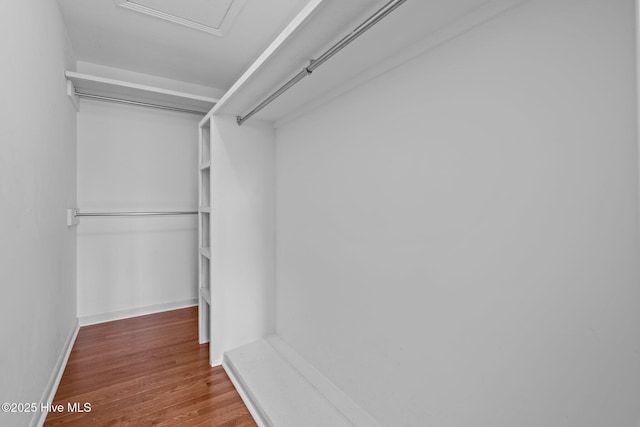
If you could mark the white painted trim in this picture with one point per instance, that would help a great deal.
(49, 393)
(247, 397)
(477, 17)
(339, 399)
(226, 23)
(303, 16)
(638, 93)
(134, 312)
(231, 15)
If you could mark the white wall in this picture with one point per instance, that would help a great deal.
(458, 240)
(134, 158)
(242, 227)
(37, 185)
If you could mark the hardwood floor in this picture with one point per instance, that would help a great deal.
(146, 371)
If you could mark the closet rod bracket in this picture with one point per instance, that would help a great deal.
(72, 217)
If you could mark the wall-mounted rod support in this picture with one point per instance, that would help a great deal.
(315, 63)
(143, 104)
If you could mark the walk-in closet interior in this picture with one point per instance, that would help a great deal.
(388, 213)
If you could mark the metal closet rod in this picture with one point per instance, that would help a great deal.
(78, 213)
(316, 63)
(143, 104)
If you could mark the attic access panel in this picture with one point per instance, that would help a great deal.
(214, 17)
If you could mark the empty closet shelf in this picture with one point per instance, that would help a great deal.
(204, 293)
(77, 212)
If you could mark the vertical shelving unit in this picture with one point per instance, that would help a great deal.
(204, 232)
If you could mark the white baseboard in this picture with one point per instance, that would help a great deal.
(54, 380)
(134, 312)
(245, 394)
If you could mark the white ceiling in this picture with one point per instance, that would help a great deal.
(105, 33)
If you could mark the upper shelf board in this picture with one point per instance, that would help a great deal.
(101, 86)
(413, 28)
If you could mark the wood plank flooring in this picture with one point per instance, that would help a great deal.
(146, 371)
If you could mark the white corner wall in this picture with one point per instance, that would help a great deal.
(242, 226)
(37, 185)
(458, 240)
(133, 158)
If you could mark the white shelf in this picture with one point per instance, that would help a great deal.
(205, 318)
(105, 87)
(205, 252)
(204, 293)
(407, 32)
(276, 391)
